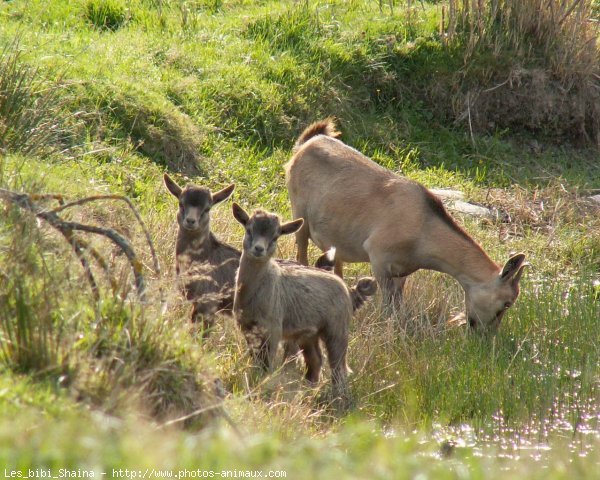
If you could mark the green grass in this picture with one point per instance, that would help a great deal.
(354, 452)
(105, 14)
(215, 93)
(524, 372)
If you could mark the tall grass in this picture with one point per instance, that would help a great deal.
(32, 325)
(31, 117)
(119, 354)
(105, 14)
(529, 372)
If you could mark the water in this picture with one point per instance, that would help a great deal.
(576, 428)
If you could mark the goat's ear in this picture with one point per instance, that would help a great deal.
(222, 194)
(517, 277)
(240, 214)
(291, 227)
(172, 186)
(513, 267)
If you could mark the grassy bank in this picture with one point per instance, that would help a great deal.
(108, 95)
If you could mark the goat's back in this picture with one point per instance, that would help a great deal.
(313, 296)
(344, 197)
(306, 300)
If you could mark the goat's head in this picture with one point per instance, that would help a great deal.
(195, 203)
(262, 231)
(488, 302)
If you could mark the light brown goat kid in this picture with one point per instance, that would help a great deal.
(277, 301)
(205, 266)
(370, 214)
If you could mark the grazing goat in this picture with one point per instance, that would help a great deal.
(372, 215)
(205, 266)
(286, 301)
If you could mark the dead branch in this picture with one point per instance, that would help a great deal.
(100, 261)
(67, 229)
(122, 198)
(79, 250)
(48, 196)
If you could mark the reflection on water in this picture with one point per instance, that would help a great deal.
(576, 428)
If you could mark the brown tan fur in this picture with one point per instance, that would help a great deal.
(370, 214)
(205, 266)
(324, 127)
(277, 301)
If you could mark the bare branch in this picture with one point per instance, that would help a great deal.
(25, 202)
(131, 207)
(117, 239)
(79, 249)
(100, 261)
(48, 196)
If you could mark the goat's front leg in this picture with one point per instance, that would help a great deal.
(272, 346)
(391, 287)
(290, 350)
(302, 237)
(263, 343)
(337, 346)
(256, 339)
(338, 268)
(261, 356)
(399, 283)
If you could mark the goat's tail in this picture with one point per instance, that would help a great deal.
(326, 261)
(366, 287)
(323, 127)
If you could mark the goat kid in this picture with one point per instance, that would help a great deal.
(286, 301)
(370, 214)
(205, 266)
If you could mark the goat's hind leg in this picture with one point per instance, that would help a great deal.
(337, 345)
(313, 359)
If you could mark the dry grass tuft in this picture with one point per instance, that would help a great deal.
(529, 64)
(542, 211)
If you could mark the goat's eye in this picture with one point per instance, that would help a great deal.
(506, 305)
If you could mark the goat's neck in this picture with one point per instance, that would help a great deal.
(461, 257)
(253, 274)
(197, 241)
